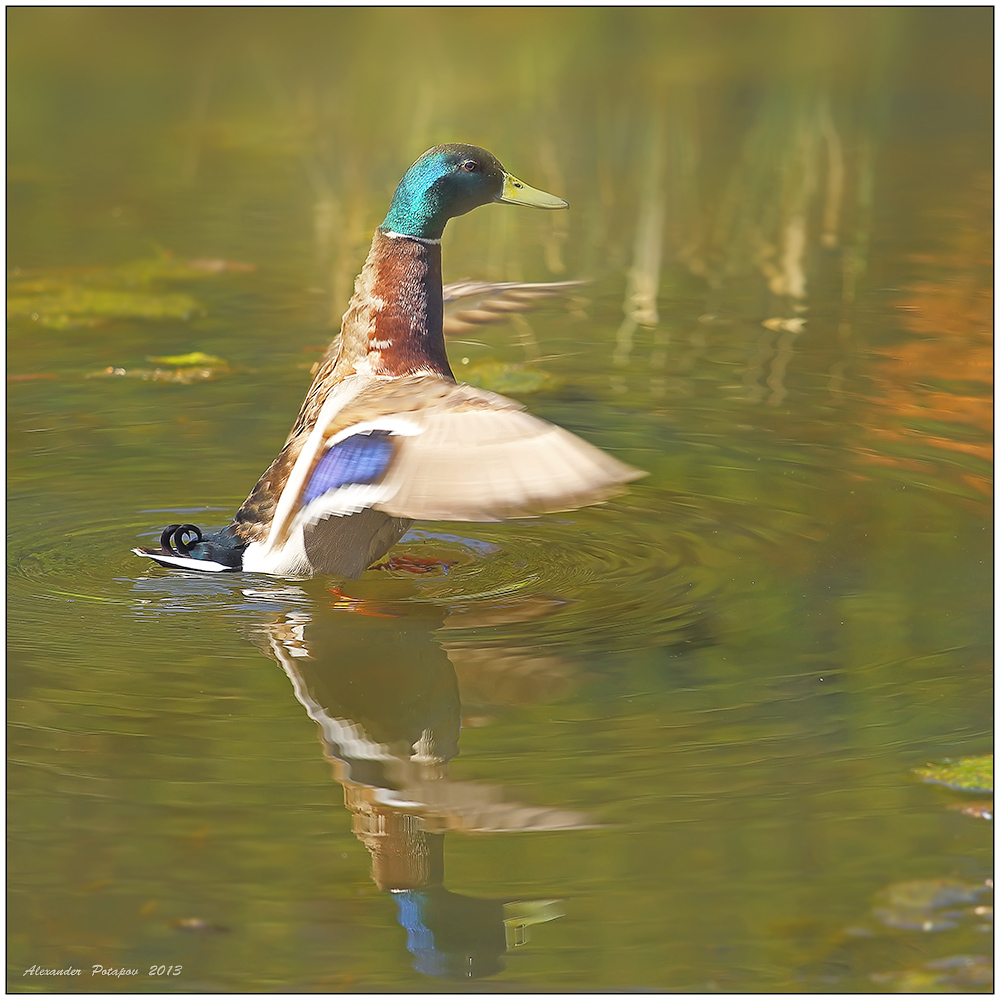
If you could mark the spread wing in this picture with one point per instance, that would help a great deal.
(425, 447)
(481, 457)
(470, 304)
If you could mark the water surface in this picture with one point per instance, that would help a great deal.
(667, 743)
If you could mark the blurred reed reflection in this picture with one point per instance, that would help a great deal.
(775, 232)
(388, 700)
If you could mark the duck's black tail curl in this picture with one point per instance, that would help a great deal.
(185, 546)
(177, 532)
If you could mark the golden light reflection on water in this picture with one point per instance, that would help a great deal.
(935, 387)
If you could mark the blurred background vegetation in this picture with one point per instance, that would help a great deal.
(733, 119)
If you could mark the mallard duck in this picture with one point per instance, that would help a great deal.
(386, 434)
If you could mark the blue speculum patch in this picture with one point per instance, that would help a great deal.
(360, 459)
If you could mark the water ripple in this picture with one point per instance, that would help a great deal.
(605, 578)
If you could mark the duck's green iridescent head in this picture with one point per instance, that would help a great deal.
(452, 180)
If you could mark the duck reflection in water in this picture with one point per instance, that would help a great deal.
(387, 698)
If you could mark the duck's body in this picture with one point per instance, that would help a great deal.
(385, 434)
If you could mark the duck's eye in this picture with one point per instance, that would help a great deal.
(471, 166)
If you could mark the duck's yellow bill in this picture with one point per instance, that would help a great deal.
(516, 192)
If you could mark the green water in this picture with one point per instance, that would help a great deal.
(663, 744)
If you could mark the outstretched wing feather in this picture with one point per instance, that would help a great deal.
(478, 463)
(470, 304)
(457, 453)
